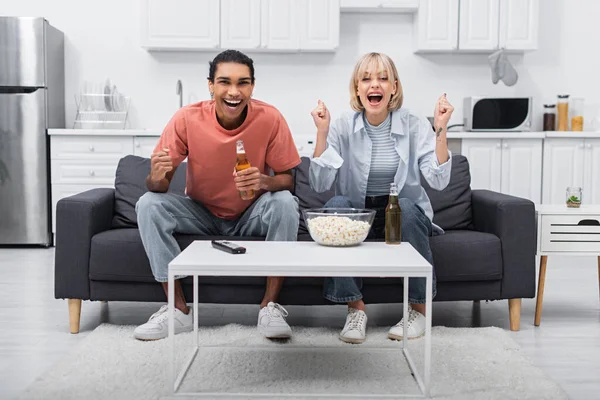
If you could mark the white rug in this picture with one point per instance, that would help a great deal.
(467, 363)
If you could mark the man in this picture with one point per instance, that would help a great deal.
(206, 133)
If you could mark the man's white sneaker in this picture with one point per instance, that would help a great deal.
(415, 327)
(271, 322)
(157, 326)
(355, 330)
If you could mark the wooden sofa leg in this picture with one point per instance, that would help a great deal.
(74, 314)
(514, 310)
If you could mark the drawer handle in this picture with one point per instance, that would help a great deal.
(92, 149)
(92, 172)
(589, 222)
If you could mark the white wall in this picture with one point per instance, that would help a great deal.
(102, 40)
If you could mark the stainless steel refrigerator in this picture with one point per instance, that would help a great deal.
(32, 100)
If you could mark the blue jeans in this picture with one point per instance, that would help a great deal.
(273, 215)
(416, 230)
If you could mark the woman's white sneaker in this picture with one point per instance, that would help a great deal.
(157, 326)
(355, 329)
(415, 327)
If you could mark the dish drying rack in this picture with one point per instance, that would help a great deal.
(101, 111)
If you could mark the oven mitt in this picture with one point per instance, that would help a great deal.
(502, 69)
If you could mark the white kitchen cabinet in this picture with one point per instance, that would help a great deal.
(320, 24)
(519, 24)
(180, 24)
(510, 166)
(387, 6)
(522, 168)
(485, 162)
(436, 25)
(241, 24)
(280, 24)
(571, 162)
(143, 146)
(478, 24)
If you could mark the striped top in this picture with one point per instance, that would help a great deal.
(384, 157)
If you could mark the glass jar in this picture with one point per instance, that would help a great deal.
(549, 117)
(577, 106)
(563, 112)
(573, 197)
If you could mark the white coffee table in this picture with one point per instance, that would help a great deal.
(301, 259)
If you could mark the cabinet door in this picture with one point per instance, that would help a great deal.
(485, 162)
(436, 26)
(563, 167)
(591, 184)
(519, 24)
(143, 146)
(180, 24)
(240, 24)
(320, 26)
(279, 24)
(522, 168)
(478, 24)
(379, 5)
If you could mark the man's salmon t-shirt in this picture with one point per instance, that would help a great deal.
(195, 133)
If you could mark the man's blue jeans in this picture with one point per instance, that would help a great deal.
(416, 230)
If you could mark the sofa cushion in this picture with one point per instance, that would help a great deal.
(130, 185)
(462, 255)
(119, 255)
(307, 197)
(452, 206)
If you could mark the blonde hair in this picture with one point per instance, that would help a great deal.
(382, 63)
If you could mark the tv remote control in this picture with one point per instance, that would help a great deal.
(228, 247)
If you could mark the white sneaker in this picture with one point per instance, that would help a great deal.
(157, 326)
(415, 328)
(271, 322)
(355, 330)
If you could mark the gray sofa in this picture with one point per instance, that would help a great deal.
(487, 252)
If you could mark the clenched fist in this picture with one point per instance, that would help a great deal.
(160, 164)
(442, 113)
(321, 117)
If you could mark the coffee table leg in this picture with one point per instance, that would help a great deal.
(428, 308)
(540, 293)
(171, 299)
(195, 297)
(405, 314)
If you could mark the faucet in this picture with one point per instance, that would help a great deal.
(179, 91)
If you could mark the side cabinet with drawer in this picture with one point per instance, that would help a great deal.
(80, 163)
(565, 231)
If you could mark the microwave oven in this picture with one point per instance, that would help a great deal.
(497, 113)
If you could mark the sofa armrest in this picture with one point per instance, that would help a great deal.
(78, 218)
(512, 219)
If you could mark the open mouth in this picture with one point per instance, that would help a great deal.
(232, 104)
(375, 98)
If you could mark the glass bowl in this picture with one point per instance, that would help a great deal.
(338, 227)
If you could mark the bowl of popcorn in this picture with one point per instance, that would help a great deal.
(338, 227)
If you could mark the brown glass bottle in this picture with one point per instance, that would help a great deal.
(393, 218)
(243, 163)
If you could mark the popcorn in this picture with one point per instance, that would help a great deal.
(338, 231)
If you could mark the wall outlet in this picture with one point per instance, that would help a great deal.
(305, 145)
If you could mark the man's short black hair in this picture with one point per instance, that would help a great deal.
(230, 56)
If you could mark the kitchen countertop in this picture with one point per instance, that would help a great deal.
(450, 135)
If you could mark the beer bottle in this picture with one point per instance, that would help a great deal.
(393, 218)
(243, 163)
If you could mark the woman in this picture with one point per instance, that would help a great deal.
(364, 152)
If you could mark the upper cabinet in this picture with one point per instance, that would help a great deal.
(477, 25)
(387, 6)
(436, 25)
(247, 25)
(180, 24)
(519, 24)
